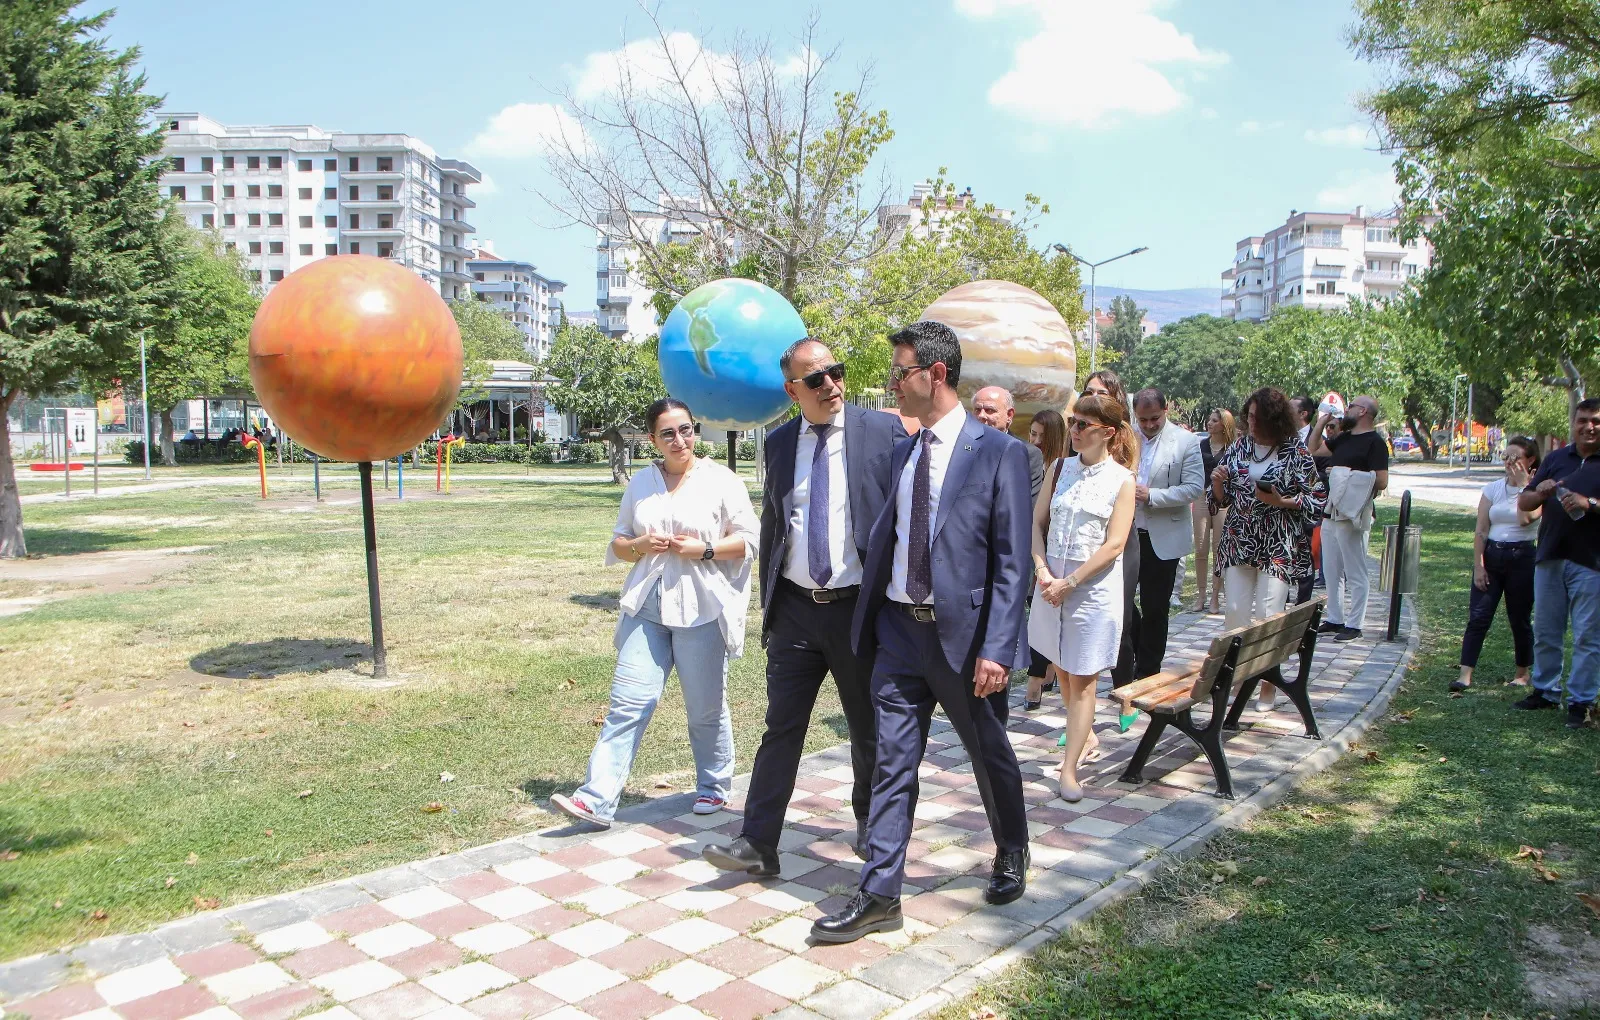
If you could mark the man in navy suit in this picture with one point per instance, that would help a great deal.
(941, 607)
(827, 477)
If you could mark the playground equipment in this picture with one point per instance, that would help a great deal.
(441, 468)
(250, 442)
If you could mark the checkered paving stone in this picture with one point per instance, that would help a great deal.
(632, 923)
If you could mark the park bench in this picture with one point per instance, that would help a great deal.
(1237, 661)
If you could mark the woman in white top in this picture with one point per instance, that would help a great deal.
(1503, 555)
(687, 526)
(1087, 514)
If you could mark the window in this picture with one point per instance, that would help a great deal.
(478, 277)
(385, 250)
(275, 248)
(330, 249)
(1411, 270)
(227, 219)
(255, 247)
(304, 194)
(172, 125)
(355, 193)
(385, 222)
(303, 165)
(305, 222)
(207, 220)
(252, 162)
(207, 193)
(619, 281)
(274, 162)
(386, 193)
(227, 162)
(386, 164)
(1380, 235)
(177, 164)
(255, 275)
(274, 191)
(331, 194)
(332, 222)
(275, 219)
(355, 247)
(179, 192)
(355, 221)
(254, 219)
(305, 249)
(1373, 264)
(230, 246)
(227, 191)
(252, 190)
(206, 164)
(355, 163)
(275, 275)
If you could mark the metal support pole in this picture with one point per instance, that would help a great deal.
(144, 400)
(1094, 335)
(400, 477)
(1468, 471)
(316, 477)
(96, 438)
(1394, 579)
(733, 451)
(66, 453)
(380, 664)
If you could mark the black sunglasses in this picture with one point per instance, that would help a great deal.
(813, 381)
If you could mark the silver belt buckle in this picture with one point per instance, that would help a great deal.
(819, 596)
(922, 614)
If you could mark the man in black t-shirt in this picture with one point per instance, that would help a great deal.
(1361, 448)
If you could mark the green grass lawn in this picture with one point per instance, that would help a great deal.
(134, 779)
(1388, 886)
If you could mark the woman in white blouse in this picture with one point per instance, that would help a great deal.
(1503, 554)
(687, 526)
(1087, 515)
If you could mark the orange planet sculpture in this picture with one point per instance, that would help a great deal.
(1013, 338)
(355, 357)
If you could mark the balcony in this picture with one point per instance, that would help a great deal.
(461, 225)
(372, 175)
(1327, 272)
(1319, 241)
(358, 204)
(372, 231)
(1382, 278)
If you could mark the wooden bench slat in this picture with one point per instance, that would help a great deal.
(1182, 674)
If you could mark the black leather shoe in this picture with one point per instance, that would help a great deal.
(864, 914)
(861, 838)
(743, 855)
(1009, 878)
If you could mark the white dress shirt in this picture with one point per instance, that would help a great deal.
(842, 554)
(1147, 459)
(945, 434)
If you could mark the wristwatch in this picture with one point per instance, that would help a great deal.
(710, 553)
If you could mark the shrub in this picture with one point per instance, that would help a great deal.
(587, 453)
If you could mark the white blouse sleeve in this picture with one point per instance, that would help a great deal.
(739, 516)
(625, 527)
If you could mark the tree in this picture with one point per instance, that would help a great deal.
(199, 344)
(607, 383)
(1531, 409)
(1124, 334)
(1304, 352)
(486, 336)
(80, 269)
(1194, 360)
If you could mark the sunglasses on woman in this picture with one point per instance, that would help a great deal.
(684, 432)
(1079, 424)
(813, 381)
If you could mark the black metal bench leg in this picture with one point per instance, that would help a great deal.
(1210, 741)
(1134, 773)
(1240, 700)
(1300, 697)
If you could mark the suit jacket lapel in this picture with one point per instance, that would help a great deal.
(968, 446)
(854, 468)
(783, 467)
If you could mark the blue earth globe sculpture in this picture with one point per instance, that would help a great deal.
(719, 353)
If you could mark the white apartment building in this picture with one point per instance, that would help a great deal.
(516, 290)
(622, 299)
(923, 213)
(1103, 322)
(287, 195)
(1321, 260)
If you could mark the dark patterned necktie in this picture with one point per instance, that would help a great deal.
(919, 571)
(818, 559)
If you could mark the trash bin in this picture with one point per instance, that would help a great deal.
(1400, 554)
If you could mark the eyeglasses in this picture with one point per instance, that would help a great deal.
(1079, 424)
(898, 373)
(813, 381)
(684, 433)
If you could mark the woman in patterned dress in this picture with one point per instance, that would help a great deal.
(1268, 483)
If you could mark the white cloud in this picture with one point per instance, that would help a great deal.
(646, 65)
(1256, 127)
(1376, 189)
(1089, 61)
(1352, 136)
(487, 186)
(522, 130)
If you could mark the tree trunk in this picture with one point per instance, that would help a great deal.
(619, 461)
(169, 456)
(1424, 439)
(12, 543)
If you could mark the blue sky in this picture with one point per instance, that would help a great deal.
(1183, 125)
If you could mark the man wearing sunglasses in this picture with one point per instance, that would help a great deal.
(940, 612)
(827, 477)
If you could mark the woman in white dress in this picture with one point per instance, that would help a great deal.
(1086, 515)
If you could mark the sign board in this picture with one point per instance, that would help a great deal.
(81, 427)
(552, 423)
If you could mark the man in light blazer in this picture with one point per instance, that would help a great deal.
(827, 473)
(1171, 477)
(941, 605)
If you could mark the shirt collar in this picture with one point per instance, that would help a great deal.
(946, 429)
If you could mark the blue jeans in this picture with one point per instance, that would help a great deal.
(1561, 589)
(647, 651)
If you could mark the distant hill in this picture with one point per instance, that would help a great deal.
(1164, 306)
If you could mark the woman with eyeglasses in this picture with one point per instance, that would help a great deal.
(1048, 432)
(1219, 436)
(1081, 527)
(687, 526)
(1108, 383)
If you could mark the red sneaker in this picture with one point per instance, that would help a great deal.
(576, 807)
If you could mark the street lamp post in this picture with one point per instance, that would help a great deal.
(1451, 438)
(1094, 340)
(144, 402)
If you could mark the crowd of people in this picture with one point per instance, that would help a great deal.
(919, 568)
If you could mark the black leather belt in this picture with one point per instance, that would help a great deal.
(821, 596)
(921, 614)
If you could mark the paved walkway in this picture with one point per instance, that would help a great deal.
(631, 923)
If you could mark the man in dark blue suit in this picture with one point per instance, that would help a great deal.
(827, 478)
(941, 607)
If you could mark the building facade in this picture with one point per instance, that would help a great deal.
(622, 298)
(924, 212)
(287, 195)
(1321, 260)
(530, 301)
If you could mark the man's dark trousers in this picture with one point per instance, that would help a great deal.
(805, 641)
(1156, 578)
(1127, 649)
(910, 677)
